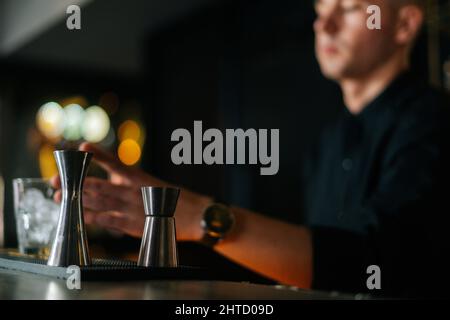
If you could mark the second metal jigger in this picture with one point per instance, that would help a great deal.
(70, 246)
(159, 246)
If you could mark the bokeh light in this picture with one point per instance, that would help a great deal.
(51, 120)
(47, 163)
(96, 124)
(129, 152)
(79, 100)
(74, 114)
(129, 129)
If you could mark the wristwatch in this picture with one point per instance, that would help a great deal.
(217, 222)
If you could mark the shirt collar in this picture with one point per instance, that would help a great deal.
(385, 101)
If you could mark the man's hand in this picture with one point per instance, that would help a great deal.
(117, 204)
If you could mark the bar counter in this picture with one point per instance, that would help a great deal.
(22, 285)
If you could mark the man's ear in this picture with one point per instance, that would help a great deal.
(410, 21)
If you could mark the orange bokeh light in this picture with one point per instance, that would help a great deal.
(129, 129)
(129, 152)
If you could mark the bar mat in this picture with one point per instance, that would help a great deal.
(110, 270)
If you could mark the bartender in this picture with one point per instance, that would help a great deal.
(376, 182)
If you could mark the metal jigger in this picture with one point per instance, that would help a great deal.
(70, 245)
(159, 246)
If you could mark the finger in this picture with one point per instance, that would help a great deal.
(57, 197)
(104, 187)
(118, 222)
(89, 216)
(104, 159)
(97, 201)
(101, 202)
(55, 182)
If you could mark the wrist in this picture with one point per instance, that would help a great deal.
(203, 204)
(192, 206)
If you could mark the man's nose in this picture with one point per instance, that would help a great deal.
(326, 23)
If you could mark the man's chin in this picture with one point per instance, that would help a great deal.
(331, 74)
(332, 70)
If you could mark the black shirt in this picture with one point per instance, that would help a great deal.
(377, 190)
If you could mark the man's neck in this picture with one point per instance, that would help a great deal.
(360, 91)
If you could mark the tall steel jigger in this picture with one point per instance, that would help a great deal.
(70, 246)
(159, 246)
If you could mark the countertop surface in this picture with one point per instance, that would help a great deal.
(23, 285)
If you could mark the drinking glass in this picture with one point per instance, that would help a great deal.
(36, 215)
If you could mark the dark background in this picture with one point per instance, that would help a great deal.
(231, 64)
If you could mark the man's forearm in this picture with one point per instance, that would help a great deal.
(270, 247)
(276, 249)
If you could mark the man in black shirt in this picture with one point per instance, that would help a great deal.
(375, 183)
(376, 187)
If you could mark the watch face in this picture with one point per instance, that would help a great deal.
(217, 220)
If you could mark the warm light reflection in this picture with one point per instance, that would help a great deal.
(129, 129)
(50, 120)
(129, 152)
(96, 124)
(47, 164)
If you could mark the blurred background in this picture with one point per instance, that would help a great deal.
(139, 69)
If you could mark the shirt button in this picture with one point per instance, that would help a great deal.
(347, 164)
